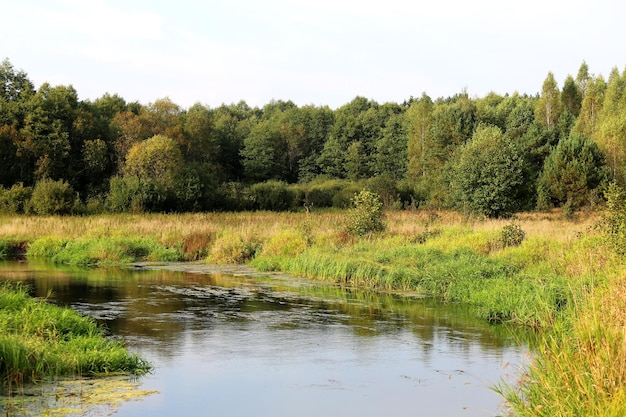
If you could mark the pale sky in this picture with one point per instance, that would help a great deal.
(321, 52)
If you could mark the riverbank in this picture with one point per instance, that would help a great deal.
(546, 271)
(39, 340)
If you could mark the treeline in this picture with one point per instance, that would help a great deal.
(492, 155)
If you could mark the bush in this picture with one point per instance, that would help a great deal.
(489, 174)
(320, 193)
(512, 235)
(613, 223)
(233, 249)
(15, 199)
(385, 187)
(234, 196)
(571, 171)
(273, 195)
(343, 198)
(366, 216)
(52, 197)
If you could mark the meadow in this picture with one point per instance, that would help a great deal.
(550, 272)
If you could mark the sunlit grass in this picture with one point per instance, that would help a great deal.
(561, 279)
(39, 340)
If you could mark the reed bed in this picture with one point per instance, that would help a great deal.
(561, 279)
(39, 340)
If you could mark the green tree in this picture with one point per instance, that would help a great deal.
(48, 131)
(15, 90)
(52, 197)
(549, 106)
(231, 124)
(199, 143)
(158, 165)
(583, 78)
(573, 169)
(264, 152)
(571, 96)
(391, 157)
(366, 216)
(9, 161)
(588, 118)
(489, 174)
(355, 161)
(611, 129)
(419, 141)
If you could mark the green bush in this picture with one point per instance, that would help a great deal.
(343, 198)
(52, 197)
(512, 235)
(15, 199)
(320, 193)
(613, 222)
(366, 216)
(489, 174)
(273, 195)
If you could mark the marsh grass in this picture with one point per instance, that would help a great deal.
(39, 340)
(102, 250)
(579, 368)
(560, 279)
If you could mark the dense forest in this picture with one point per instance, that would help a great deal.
(493, 155)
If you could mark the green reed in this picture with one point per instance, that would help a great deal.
(39, 340)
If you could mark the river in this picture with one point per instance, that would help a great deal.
(231, 342)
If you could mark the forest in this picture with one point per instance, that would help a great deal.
(492, 156)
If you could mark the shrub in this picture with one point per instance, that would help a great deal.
(512, 235)
(572, 170)
(343, 198)
(15, 199)
(385, 186)
(366, 216)
(273, 195)
(613, 223)
(233, 249)
(52, 197)
(489, 174)
(289, 243)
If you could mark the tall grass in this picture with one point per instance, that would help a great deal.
(39, 340)
(560, 279)
(579, 368)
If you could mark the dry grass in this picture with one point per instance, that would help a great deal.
(169, 228)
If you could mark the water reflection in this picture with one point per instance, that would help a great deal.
(242, 345)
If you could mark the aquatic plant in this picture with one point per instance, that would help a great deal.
(39, 340)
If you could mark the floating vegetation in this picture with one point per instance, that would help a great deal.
(82, 396)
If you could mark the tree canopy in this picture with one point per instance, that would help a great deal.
(491, 155)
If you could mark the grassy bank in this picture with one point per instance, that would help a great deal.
(559, 278)
(39, 340)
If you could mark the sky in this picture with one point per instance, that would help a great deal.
(319, 52)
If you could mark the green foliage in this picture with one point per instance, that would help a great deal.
(104, 250)
(273, 195)
(235, 196)
(386, 188)
(233, 249)
(489, 174)
(571, 171)
(549, 106)
(52, 197)
(39, 340)
(366, 216)
(512, 235)
(613, 222)
(158, 164)
(175, 159)
(15, 199)
(124, 195)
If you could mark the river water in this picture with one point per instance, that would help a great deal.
(235, 343)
